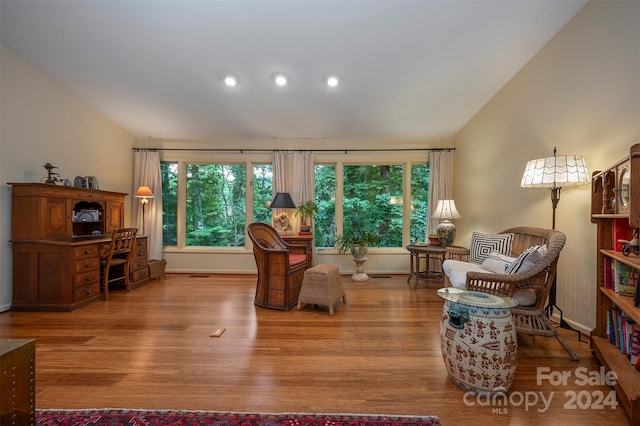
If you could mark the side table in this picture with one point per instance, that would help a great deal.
(478, 340)
(422, 257)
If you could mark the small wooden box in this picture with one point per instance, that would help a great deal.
(156, 268)
(18, 384)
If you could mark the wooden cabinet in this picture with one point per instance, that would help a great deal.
(616, 202)
(58, 234)
(40, 211)
(18, 382)
(139, 268)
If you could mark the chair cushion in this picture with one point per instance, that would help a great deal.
(526, 297)
(456, 271)
(295, 259)
(483, 244)
(497, 262)
(527, 259)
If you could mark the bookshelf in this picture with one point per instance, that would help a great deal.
(615, 209)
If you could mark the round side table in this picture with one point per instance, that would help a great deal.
(478, 340)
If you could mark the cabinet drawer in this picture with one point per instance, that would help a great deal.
(138, 263)
(85, 278)
(86, 264)
(140, 274)
(86, 292)
(85, 251)
(140, 250)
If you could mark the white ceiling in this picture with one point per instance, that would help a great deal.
(409, 69)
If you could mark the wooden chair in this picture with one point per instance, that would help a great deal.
(118, 255)
(536, 280)
(280, 266)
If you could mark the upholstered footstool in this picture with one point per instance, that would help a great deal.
(322, 285)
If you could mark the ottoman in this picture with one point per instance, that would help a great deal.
(322, 285)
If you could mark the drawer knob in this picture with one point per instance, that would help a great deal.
(88, 290)
(87, 251)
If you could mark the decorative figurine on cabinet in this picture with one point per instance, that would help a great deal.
(631, 245)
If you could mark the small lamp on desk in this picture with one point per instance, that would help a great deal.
(144, 193)
(282, 221)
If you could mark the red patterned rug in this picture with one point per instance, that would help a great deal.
(112, 417)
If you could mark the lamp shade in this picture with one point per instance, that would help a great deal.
(144, 192)
(555, 172)
(282, 200)
(446, 209)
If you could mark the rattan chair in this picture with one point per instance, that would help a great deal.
(539, 278)
(114, 264)
(280, 267)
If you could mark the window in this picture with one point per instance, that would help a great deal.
(325, 189)
(262, 192)
(419, 201)
(215, 210)
(369, 195)
(373, 201)
(169, 172)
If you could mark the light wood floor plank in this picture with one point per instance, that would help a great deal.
(379, 354)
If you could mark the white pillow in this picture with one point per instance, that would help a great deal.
(527, 259)
(483, 244)
(497, 262)
(456, 271)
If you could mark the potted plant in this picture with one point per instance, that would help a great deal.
(434, 240)
(306, 211)
(357, 241)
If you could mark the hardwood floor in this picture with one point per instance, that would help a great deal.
(379, 354)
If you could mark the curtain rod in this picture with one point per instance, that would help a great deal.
(292, 150)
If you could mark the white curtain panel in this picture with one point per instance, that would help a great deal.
(294, 172)
(146, 172)
(440, 183)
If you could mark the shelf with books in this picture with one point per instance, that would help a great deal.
(615, 209)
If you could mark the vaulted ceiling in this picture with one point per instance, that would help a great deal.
(407, 69)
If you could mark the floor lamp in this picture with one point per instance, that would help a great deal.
(144, 193)
(554, 173)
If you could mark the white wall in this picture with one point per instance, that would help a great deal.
(42, 122)
(581, 93)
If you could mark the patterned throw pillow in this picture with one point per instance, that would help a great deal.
(527, 259)
(483, 244)
(497, 263)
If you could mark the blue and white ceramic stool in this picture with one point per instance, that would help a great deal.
(478, 340)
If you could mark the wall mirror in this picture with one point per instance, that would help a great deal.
(624, 186)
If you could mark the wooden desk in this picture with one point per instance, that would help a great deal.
(426, 263)
(64, 274)
(302, 240)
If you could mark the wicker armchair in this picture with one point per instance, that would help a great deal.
(530, 318)
(280, 266)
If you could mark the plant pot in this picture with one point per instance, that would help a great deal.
(359, 251)
(434, 241)
(305, 228)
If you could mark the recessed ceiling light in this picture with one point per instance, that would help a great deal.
(332, 81)
(280, 79)
(230, 80)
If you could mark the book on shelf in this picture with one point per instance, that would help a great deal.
(622, 233)
(626, 279)
(609, 272)
(304, 233)
(634, 344)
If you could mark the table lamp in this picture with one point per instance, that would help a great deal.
(281, 221)
(446, 231)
